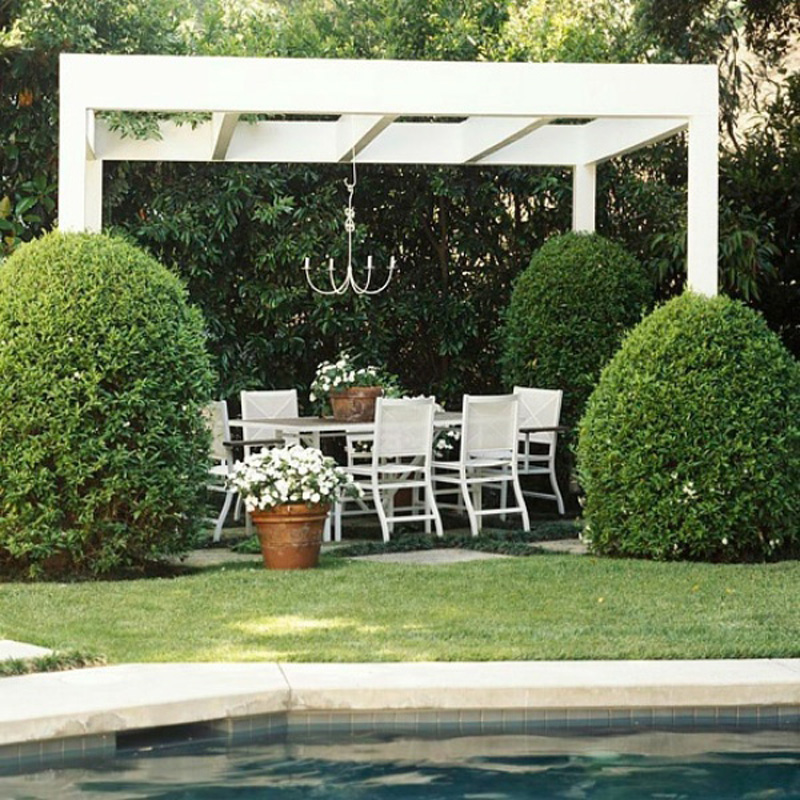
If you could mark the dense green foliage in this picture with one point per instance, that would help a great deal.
(238, 233)
(35, 34)
(690, 446)
(543, 607)
(103, 374)
(568, 312)
(763, 173)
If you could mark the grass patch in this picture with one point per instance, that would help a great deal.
(543, 607)
(53, 662)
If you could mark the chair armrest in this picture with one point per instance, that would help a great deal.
(253, 442)
(551, 429)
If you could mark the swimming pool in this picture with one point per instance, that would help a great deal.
(663, 764)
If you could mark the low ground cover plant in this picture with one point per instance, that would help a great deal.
(103, 375)
(53, 662)
(690, 445)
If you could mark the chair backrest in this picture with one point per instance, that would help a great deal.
(403, 428)
(268, 404)
(216, 414)
(539, 408)
(489, 427)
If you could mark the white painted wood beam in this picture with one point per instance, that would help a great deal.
(482, 136)
(80, 180)
(222, 128)
(90, 136)
(355, 131)
(608, 138)
(551, 146)
(386, 87)
(584, 190)
(316, 142)
(177, 143)
(703, 206)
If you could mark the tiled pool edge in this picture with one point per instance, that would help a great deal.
(79, 714)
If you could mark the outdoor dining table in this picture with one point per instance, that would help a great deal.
(292, 428)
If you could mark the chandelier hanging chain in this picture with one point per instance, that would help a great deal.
(349, 281)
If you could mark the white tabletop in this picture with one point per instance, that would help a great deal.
(442, 419)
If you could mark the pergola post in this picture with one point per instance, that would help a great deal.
(584, 188)
(703, 199)
(80, 173)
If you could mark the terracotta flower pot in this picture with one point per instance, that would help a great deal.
(356, 404)
(291, 534)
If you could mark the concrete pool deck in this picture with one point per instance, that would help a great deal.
(105, 701)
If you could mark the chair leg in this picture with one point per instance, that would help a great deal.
(222, 514)
(556, 490)
(426, 504)
(477, 503)
(337, 520)
(469, 494)
(376, 496)
(429, 499)
(390, 509)
(326, 529)
(526, 520)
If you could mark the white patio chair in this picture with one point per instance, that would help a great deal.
(487, 457)
(216, 414)
(267, 404)
(400, 458)
(539, 408)
(263, 404)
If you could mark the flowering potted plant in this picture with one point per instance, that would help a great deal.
(350, 389)
(288, 492)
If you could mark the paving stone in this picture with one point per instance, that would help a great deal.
(437, 556)
(10, 649)
(572, 546)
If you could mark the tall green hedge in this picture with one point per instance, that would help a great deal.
(568, 312)
(690, 445)
(103, 372)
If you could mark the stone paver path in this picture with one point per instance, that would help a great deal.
(439, 556)
(10, 649)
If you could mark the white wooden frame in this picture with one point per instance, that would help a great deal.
(486, 114)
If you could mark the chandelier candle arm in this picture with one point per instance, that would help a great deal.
(349, 280)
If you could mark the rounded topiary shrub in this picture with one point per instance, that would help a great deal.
(103, 374)
(568, 312)
(690, 445)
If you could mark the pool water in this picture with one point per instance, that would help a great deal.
(667, 765)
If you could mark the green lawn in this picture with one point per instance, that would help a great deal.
(540, 607)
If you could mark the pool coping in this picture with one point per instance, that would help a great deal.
(98, 703)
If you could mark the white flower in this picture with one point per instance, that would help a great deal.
(289, 475)
(724, 540)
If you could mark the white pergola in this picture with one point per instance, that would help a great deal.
(324, 110)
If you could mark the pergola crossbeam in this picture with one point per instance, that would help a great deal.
(608, 138)
(355, 132)
(482, 136)
(222, 127)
